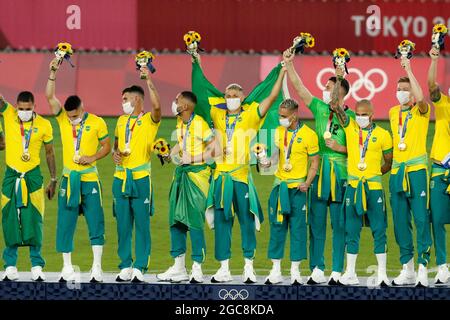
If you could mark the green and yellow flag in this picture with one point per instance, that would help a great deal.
(209, 96)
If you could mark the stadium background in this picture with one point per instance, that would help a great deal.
(243, 40)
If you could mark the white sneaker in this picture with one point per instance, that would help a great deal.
(173, 274)
(96, 274)
(407, 276)
(10, 274)
(349, 279)
(222, 275)
(274, 276)
(296, 278)
(248, 276)
(67, 274)
(443, 275)
(334, 278)
(196, 273)
(124, 275)
(137, 276)
(382, 280)
(317, 277)
(37, 274)
(422, 276)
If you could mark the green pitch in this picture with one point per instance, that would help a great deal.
(160, 258)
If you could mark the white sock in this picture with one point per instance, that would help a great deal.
(248, 262)
(410, 266)
(224, 264)
(97, 252)
(180, 261)
(381, 259)
(67, 259)
(295, 265)
(197, 264)
(276, 264)
(351, 262)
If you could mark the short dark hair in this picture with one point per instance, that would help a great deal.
(404, 79)
(72, 103)
(289, 104)
(344, 84)
(134, 89)
(25, 96)
(190, 96)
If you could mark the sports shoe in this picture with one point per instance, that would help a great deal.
(124, 275)
(349, 279)
(137, 276)
(96, 274)
(442, 275)
(67, 274)
(422, 276)
(10, 274)
(316, 277)
(196, 273)
(37, 274)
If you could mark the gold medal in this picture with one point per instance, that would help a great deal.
(327, 135)
(126, 152)
(227, 151)
(26, 157)
(402, 146)
(287, 167)
(362, 166)
(76, 158)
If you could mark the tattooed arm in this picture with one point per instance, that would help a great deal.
(340, 113)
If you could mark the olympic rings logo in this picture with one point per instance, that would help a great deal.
(233, 294)
(362, 81)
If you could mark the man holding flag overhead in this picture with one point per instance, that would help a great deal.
(189, 190)
(440, 155)
(236, 120)
(328, 187)
(132, 188)
(84, 138)
(408, 183)
(22, 191)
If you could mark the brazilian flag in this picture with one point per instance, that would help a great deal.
(209, 96)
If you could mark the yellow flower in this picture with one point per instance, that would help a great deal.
(197, 37)
(406, 42)
(341, 52)
(440, 28)
(259, 147)
(145, 55)
(66, 47)
(188, 39)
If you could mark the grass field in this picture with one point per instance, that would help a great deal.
(160, 258)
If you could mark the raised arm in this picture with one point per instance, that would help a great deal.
(50, 89)
(51, 163)
(265, 105)
(340, 113)
(302, 91)
(154, 96)
(433, 86)
(416, 90)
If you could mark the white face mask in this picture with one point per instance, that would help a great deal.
(285, 122)
(75, 122)
(403, 97)
(233, 103)
(362, 121)
(25, 115)
(326, 96)
(127, 107)
(175, 109)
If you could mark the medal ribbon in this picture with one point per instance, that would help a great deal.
(230, 129)
(287, 149)
(330, 120)
(77, 137)
(363, 147)
(128, 131)
(26, 138)
(402, 127)
(186, 133)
